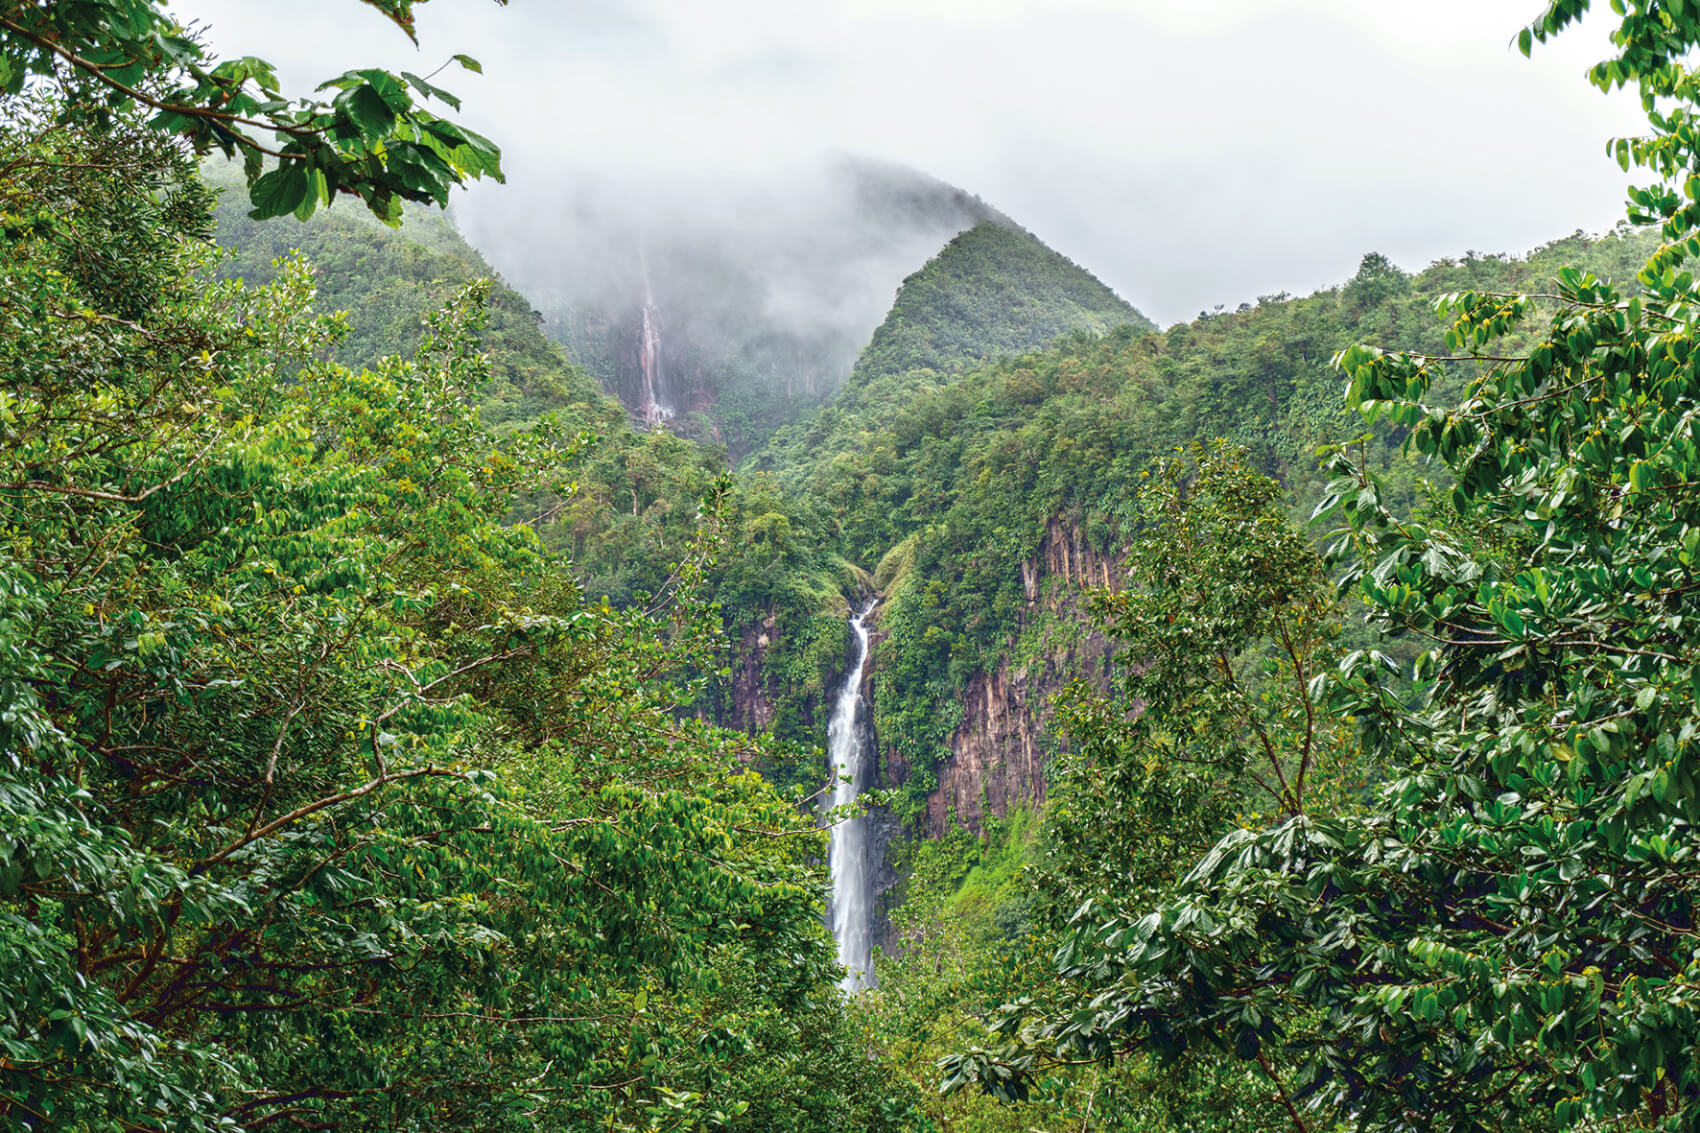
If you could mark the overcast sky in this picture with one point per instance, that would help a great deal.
(1188, 152)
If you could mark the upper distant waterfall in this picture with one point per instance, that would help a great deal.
(852, 872)
(656, 407)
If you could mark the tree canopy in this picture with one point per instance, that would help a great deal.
(1501, 936)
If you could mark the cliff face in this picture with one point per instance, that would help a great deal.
(1002, 744)
(886, 827)
(995, 755)
(999, 751)
(1066, 556)
(752, 708)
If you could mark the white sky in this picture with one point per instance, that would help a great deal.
(1189, 152)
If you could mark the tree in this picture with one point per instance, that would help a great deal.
(374, 139)
(1216, 726)
(1378, 278)
(1505, 939)
(326, 798)
(1215, 722)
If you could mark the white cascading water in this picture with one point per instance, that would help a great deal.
(852, 881)
(655, 408)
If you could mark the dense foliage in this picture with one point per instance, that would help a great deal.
(327, 798)
(386, 282)
(1500, 936)
(1233, 620)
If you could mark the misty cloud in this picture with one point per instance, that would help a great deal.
(1188, 154)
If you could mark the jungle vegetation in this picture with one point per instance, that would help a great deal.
(331, 798)
(373, 752)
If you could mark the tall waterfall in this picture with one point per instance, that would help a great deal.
(656, 407)
(852, 875)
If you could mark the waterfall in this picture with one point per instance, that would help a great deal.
(655, 406)
(852, 875)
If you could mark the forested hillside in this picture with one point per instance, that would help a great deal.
(386, 282)
(992, 292)
(985, 501)
(633, 508)
(1286, 721)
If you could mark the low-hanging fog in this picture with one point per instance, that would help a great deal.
(680, 296)
(1188, 154)
(819, 245)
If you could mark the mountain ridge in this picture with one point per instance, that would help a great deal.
(727, 316)
(994, 290)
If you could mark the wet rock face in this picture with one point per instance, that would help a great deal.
(644, 355)
(995, 756)
(883, 826)
(999, 751)
(752, 700)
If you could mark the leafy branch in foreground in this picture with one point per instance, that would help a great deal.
(373, 138)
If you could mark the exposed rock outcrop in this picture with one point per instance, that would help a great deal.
(995, 755)
(999, 750)
(1065, 555)
(752, 708)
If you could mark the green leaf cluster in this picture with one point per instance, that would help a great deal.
(372, 139)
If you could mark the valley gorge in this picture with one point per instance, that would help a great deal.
(983, 622)
(725, 644)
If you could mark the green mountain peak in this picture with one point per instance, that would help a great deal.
(993, 291)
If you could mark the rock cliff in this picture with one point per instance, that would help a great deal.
(1000, 748)
(752, 708)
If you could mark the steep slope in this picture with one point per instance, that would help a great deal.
(635, 505)
(994, 291)
(725, 312)
(987, 502)
(386, 281)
